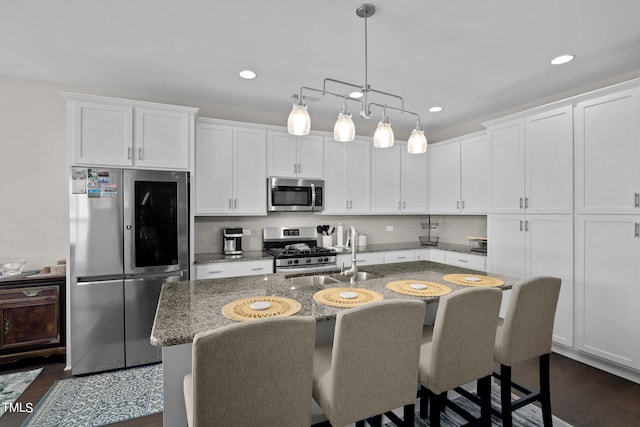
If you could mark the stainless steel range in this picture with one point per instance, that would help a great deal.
(296, 249)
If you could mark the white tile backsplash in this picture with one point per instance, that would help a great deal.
(451, 229)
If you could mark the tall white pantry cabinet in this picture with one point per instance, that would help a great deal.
(565, 201)
(530, 221)
(607, 265)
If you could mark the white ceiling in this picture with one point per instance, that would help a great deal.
(474, 58)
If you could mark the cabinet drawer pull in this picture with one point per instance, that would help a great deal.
(401, 257)
(6, 326)
(257, 269)
(215, 272)
(463, 260)
(31, 293)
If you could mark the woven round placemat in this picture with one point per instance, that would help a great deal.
(240, 310)
(432, 289)
(460, 279)
(331, 296)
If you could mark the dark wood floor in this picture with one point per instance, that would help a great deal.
(581, 395)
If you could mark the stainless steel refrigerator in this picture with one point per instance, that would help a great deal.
(128, 235)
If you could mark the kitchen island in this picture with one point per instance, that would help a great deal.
(186, 308)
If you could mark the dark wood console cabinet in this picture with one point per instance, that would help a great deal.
(33, 317)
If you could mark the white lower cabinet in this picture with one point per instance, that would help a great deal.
(536, 245)
(474, 262)
(218, 270)
(422, 254)
(399, 256)
(608, 287)
(364, 258)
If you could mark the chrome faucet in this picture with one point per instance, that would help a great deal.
(353, 271)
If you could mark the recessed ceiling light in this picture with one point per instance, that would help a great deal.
(435, 109)
(247, 74)
(562, 59)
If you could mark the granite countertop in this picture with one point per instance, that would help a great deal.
(213, 257)
(186, 308)
(385, 247)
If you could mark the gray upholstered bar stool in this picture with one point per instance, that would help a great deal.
(372, 365)
(457, 350)
(252, 373)
(524, 333)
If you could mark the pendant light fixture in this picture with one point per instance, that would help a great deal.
(299, 122)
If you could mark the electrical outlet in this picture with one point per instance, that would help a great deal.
(389, 227)
(246, 231)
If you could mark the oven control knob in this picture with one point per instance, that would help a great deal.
(290, 262)
(295, 261)
(308, 260)
(326, 260)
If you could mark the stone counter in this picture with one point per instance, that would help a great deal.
(186, 308)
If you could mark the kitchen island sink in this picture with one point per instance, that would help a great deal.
(322, 281)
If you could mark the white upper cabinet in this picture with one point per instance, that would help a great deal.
(532, 164)
(230, 175)
(347, 177)
(608, 153)
(162, 138)
(399, 181)
(119, 132)
(458, 176)
(413, 182)
(444, 178)
(549, 162)
(295, 156)
(385, 180)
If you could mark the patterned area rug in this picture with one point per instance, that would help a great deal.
(105, 398)
(527, 416)
(13, 385)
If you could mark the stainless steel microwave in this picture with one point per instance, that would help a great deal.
(295, 195)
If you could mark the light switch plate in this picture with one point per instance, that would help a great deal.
(389, 227)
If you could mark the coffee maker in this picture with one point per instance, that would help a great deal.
(232, 241)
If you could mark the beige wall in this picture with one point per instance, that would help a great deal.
(33, 207)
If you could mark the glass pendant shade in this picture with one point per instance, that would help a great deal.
(383, 138)
(344, 129)
(299, 122)
(417, 143)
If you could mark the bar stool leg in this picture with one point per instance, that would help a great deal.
(437, 405)
(505, 394)
(424, 402)
(545, 390)
(409, 414)
(484, 392)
